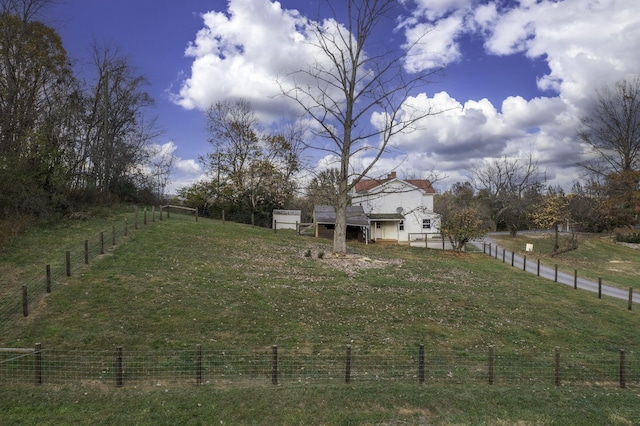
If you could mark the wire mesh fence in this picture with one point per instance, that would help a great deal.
(17, 298)
(204, 366)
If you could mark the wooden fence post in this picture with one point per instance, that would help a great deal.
(491, 363)
(153, 214)
(575, 279)
(101, 242)
(126, 228)
(86, 252)
(538, 273)
(496, 251)
(38, 362)
(223, 217)
(196, 214)
(623, 371)
(274, 365)
(555, 278)
(25, 302)
(513, 254)
(198, 364)
(630, 303)
(48, 272)
(135, 222)
(347, 370)
(144, 217)
(557, 369)
(113, 235)
(524, 264)
(421, 364)
(119, 375)
(503, 255)
(599, 287)
(160, 213)
(275, 226)
(68, 262)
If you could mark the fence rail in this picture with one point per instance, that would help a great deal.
(120, 367)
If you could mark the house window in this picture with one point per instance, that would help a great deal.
(426, 223)
(378, 226)
(401, 225)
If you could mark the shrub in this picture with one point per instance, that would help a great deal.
(633, 238)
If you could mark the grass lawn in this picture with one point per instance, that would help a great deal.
(176, 284)
(597, 255)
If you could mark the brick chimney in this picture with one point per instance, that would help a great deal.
(391, 175)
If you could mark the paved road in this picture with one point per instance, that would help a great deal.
(549, 273)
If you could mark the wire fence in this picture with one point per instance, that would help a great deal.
(18, 298)
(199, 366)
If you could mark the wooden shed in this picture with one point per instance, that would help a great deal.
(324, 218)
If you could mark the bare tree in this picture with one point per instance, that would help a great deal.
(117, 134)
(510, 186)
(351, 80)
(612, 128)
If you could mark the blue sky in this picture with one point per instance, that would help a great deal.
(517, 74)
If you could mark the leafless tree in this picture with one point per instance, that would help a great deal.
(510, 186)
(612, 129)
(117, 132)
(352, 79)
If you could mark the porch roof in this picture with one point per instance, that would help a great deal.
(386, 217)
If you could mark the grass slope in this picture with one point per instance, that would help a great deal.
(179, 283)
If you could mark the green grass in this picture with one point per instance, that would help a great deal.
(178, 283)
(597, 255)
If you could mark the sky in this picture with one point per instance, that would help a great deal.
(516, 78)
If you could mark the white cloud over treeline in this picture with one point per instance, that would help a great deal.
(246, 50)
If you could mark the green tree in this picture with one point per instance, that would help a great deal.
(253, 172)
(463, 217)
(36, 86)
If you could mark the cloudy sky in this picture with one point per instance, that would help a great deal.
(517, 75)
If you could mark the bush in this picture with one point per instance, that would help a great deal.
(633, 238)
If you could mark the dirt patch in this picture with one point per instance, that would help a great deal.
(352, 264)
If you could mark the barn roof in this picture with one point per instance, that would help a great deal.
(327, 215)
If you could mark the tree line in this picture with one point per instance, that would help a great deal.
(68, 139)
(510, 194)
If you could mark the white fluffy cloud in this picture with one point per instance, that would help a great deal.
(241, 53)
(245, 50)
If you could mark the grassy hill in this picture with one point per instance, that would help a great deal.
(180, 283)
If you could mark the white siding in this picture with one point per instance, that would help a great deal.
(388, 198)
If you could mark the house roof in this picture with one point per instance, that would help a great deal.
(327, 215)
(369, 184)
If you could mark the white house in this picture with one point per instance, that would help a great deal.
(398, 210)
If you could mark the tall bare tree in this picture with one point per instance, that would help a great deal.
(510, 186)
(352, 79)
(611, 129)
(117, 130)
